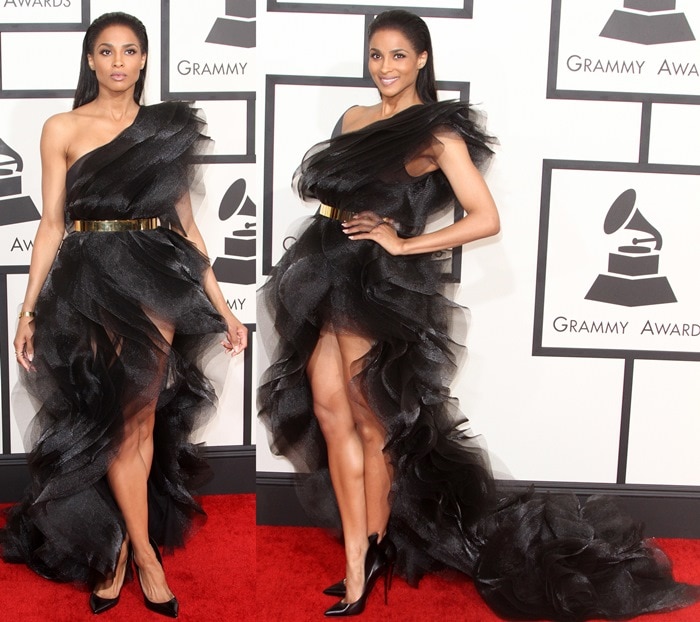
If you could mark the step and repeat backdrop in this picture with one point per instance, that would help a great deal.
(204, 54)
(584, 336)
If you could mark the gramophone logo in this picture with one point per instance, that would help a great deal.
(238, 264)
(633, 271)
(648, 22)
(14, 206)
(238, 27)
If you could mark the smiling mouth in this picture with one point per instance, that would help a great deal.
(387, 81)
(118, 76)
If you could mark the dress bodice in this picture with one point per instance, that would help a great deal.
(366, 169)
(141, 173)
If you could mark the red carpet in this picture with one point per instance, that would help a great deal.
(212, 577)
(295, 564)
(214, 580)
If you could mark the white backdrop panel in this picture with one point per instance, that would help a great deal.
(23, 68)
(219, 224)
(578, 251)
(226, 121)
(202, 65)
(675, 134)
(28, 12)
(20, 208)
(590, 62)
(665, 428)
(283, 51)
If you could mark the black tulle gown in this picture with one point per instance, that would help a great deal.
(100, 358)
(531, 556)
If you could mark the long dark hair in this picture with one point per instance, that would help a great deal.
(416, 31)
(87, 87)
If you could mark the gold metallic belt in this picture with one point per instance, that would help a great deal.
(335, 213)
(132, 224)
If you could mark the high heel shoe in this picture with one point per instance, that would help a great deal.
(337, 589)
(169, 608)
(386, 545)
(376, 565)
(99, 604)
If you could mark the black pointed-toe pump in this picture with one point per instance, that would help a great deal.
(338, 589)
(376, 565)
(99, 604)
(169, 608)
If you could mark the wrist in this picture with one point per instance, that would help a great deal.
(28, 314)
(404, 246)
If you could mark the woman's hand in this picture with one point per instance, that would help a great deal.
(24, 343)
(236, 336)
(370, 226)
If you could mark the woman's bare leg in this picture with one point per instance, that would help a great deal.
(372, 434)
(355, 440)
(128, 478)
(345, 456)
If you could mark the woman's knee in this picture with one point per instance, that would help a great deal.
(334, 418)
(370, 432)
(368, 427)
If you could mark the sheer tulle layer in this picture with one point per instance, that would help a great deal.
(530, 557)
(101, 358)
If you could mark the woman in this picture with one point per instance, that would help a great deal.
(359, 384)
(110, 331)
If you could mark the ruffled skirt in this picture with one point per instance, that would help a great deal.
(531, 557)
(101, 359)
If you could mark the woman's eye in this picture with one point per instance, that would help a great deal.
(105, 52)
(399, 55)
(130, 51)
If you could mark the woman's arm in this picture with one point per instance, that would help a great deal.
(236, 333)
(54, 141)
(471, 191)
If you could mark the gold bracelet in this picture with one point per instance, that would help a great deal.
(26, 314)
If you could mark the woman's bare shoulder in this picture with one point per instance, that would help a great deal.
(62, 125)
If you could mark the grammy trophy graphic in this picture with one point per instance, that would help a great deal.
(633, 271)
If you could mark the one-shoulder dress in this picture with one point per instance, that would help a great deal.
(530, 556)
(100, 358)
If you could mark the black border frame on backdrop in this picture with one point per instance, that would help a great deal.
(275, 6)
(594, 95)
(548, 166)
(52, 26)
(43, 27)
(628, 356)
(166, 94)
(271, 83)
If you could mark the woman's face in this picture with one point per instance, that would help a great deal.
(117, 58)
(393, 63)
